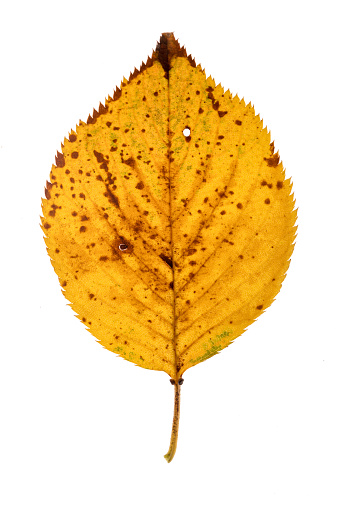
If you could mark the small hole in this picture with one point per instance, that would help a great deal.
(123, 247)
(187, 131)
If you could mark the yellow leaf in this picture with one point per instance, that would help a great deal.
(168, 218)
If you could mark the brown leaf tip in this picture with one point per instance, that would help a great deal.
(167, 48)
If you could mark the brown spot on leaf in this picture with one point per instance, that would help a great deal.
(280, 184)
(99, 157)
(72, 138)
(111, 197)
(238, 122)
(59, 160)
(239, 205)
(140, 185)
(260, 306)
(167, 260)
(222, 113)
(267, 201)
(83, 229)
(74, 155)
(272, 161)
(117, 94)
(130, 161)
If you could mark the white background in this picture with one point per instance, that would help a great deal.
(83, 428)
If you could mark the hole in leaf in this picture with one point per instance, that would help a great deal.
(123, 247)
(186, 132)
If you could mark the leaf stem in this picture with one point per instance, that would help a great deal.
(175, 426)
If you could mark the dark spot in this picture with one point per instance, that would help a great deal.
(223, 212)
(103, 258)
(91, 295)
(238, 122)
(167, 260)
(140, 185)
(99, 177)
(47, 225)
(190, 251)
(171, 285)
(72, 180)
(81, 195)
(74, 155)
(144, 98)
(239, 205)
(111, 197)
(267, 201)
(241, 257)
(117, 94)
(222, 113)
(126, 130)
(156, 94)
(272, 161)
(180, 381)
(172, 381)
(59, 160)
(99, 157)
(51, 213)
(84, 218)
(72, 138)
(192, 262)
(200, 110)
(64, 284)
(279, 184)
(260, 307)
(130, 161)
(264, 183)
(47, 189)
(108, 124)
(220, 137)
(83, 229)
(216, 105)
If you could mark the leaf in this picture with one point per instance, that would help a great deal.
(168, 218)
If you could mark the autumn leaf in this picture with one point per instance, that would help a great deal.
(168, 218)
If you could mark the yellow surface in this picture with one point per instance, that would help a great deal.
(216, 203)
